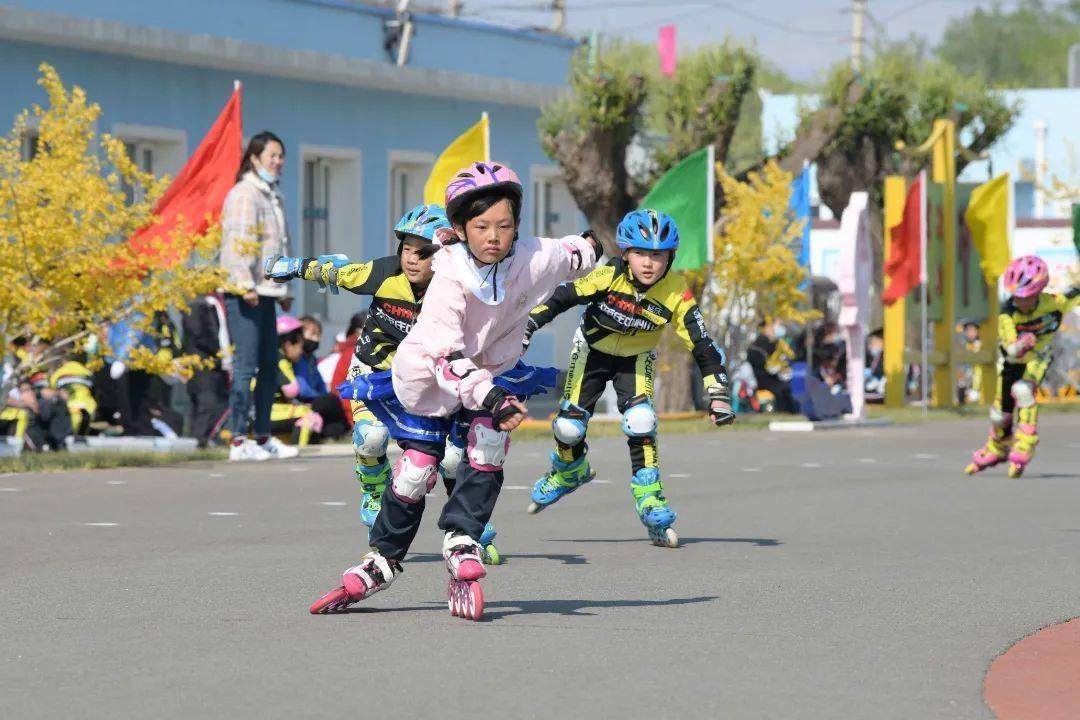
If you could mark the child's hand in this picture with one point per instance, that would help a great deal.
(721, 413)
(507, 412)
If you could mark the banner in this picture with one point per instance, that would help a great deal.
(685, 193)
(195, 197)
(903, 265)
(473, 145)
(800, 208)
(987, 217)
(665, 46)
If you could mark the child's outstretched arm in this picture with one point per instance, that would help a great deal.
(330, 271)
(568, 295)
(690, 326)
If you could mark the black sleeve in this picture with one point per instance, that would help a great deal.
(200, 330)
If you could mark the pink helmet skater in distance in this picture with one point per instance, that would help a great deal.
(1026, 276)
(286, 324)
(479, 177)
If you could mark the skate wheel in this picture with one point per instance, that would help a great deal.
(971, 469)
(336, 599)
(465, 599)
(664, 538)
(534, 508)
(1015, 470)
(492, 556)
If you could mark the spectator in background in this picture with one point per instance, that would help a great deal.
(253, 229)
(206, 334)
(875, 367)
(143, 401)
(298, 402)
(770, 358)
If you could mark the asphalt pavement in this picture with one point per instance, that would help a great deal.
(846, 574)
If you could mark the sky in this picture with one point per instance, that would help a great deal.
(802, 37)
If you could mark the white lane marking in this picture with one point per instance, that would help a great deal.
(602, 482)
(101, 524)
(679, 475)
(10, 489)
(868, 461)
(750, 469)
(811, 465)
(1070, 445)
(217, 474)
(297, 469)
(224, 514)
(333, 503)
(925, 456)
(117, 482)
(516, 487)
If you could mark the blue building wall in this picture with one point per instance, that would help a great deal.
(187, 98)
(343, 28)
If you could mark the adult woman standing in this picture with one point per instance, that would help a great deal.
(253, 229)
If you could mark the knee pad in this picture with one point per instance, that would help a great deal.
(571, 424)
(487, 446)
(370, 438)
(998, 419)
(414, 475)
(451, 460)
(639, 419)
(1023, 392)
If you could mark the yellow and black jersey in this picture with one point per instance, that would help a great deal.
(1042, 322)
(395, 304)
(623, 319)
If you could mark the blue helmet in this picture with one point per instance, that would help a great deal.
(647, 230)
(423, 221)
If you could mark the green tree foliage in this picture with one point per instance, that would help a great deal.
(1024, 47)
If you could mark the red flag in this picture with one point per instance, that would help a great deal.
(665, 45)
(197, 193)
(904, 263)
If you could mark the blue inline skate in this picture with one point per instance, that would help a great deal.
(563, 479)
(652, 507)
(373, 481)
(487, 542)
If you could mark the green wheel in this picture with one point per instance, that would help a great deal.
(491, 555)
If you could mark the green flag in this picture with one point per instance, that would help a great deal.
(685, 193)
(1076, 227)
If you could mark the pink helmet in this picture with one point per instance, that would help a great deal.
(479, 177)
(1026, 276)
(287, 323)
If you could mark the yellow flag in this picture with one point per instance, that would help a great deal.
(987, 216)
(471, 146)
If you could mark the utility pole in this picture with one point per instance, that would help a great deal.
(558, 18)
(455, 8)
(858, 33)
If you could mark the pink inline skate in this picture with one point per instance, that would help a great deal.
(984, 459)
(374, 573)
(464, 562)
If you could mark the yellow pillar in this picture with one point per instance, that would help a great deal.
(944, 172)
(895, 193)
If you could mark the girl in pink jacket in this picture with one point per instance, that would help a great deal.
(468, 334)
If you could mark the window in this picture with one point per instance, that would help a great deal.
(330, 222)
(155, 150)
(408, 174)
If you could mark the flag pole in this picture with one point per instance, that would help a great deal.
(923, 279)
(487, 136)
(710, 201)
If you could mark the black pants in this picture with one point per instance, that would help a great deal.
(468, 509)
(49, 426)
(209, 393)
(632, 377)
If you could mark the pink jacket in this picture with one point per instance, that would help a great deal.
(479, 314)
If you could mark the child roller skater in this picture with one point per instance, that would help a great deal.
(1026, 326)
(397, 285)
(453, 364)
(627, 305)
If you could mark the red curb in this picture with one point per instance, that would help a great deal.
(1038, 678)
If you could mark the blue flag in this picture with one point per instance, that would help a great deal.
(800, 208)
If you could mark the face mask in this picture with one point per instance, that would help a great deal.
(266, 176)
(310, 346)
(781, 331)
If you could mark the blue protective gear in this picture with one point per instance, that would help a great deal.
(423, 221)
(639, 420)
(647, 230)
(338, 260)
(370, 438)
(571, 424)
(282, 268)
